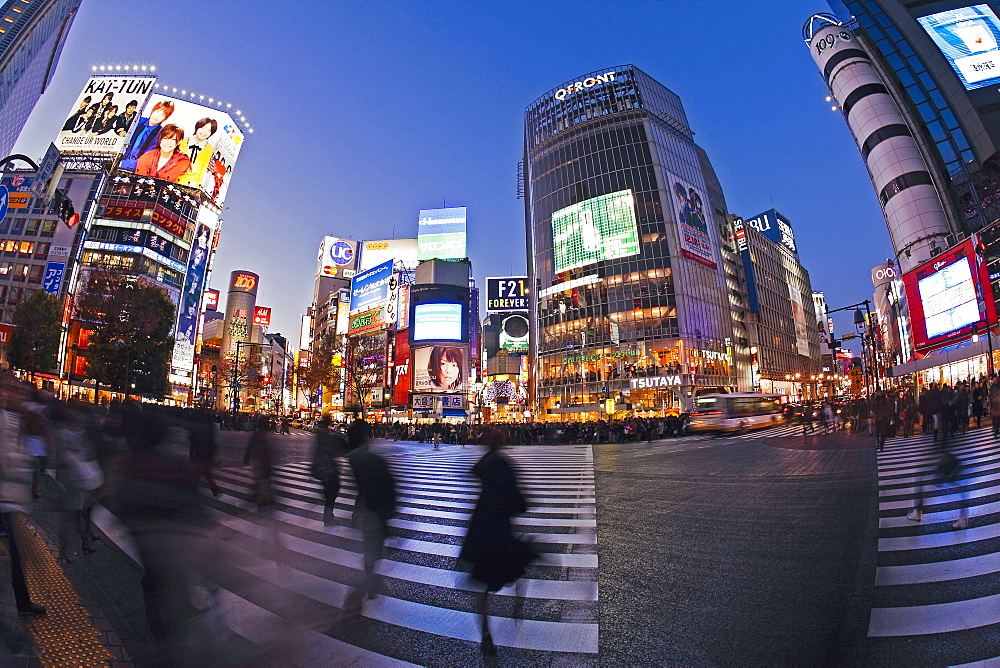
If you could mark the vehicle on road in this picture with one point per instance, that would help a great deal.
(739, 411)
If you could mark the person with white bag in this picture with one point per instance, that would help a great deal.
(77, 473)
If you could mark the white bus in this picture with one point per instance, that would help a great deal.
(736, 412)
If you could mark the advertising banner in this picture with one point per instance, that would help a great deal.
(367, 321)
(439, 368)
(441, 234)
(692, 216)
(432, 402)
(401, 370)
(211, 300)
(105, 114)
(968, 39)
(371, 288)
(596, 229)
(18, 188)
(185, 143)
(509, 293)
(5, 333)
(53, 278)
(948, 297)
(514, 333)
(403, 251)
(336, 256)
(262, 316)
(189, 308)
(775, 227)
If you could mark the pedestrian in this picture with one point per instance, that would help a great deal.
(496, 556)
(35, 435)
(203, 451)
(995, 406)
(260, 456)
(882, 412)
(13, 490)
(948, 470)
(330, 446)
(374, 506)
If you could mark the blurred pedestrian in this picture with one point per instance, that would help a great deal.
(329, 448)
(203, 452)
(496, 556)
(259, 455)
(374, 507)
(35, 435)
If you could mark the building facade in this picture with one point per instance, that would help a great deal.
(630, 307)
(32, 35)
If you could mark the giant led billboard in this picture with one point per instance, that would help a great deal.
(104, 114)
(186, 143)
(948, 296)
(437, 322)
(371, 288)
(441, 234)
(439, 368)
(693, 216)
(596, 229)
(967, 37)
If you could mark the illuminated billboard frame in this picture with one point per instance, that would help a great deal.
(931, 280)
(438, 322)
(506, 293)
(596, 229)
(402, 251)
(105, 114)
(968, 39)
(370, 289)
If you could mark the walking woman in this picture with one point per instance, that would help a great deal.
(496, 556)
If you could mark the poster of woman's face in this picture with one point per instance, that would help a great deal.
(440, 369)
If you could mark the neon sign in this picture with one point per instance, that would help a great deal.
(580, 86)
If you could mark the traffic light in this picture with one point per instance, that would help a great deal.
(62, 206)
(266, 380)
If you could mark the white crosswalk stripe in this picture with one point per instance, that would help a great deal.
(935, 584)
(428, 600)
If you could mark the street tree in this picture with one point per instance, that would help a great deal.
(34, 343)
(132, 319)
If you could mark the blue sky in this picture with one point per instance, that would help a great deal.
(364, 113)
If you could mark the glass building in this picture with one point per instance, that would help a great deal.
(32, 35)
(630, 299)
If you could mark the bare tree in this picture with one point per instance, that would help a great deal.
(364, 369)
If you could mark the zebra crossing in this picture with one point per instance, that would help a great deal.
(937, 591)
(427, 613)
(788, 429)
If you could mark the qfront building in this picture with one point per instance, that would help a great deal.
(629, 306)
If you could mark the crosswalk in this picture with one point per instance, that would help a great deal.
(427, 613)
(937, 590)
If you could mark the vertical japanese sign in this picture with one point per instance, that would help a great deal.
(52, 281)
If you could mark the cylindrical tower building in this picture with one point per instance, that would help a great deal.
(917, 223)
(240, 304)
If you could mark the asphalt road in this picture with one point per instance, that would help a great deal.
(734, 552)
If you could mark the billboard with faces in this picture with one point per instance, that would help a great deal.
(185, 143)
(104, 114)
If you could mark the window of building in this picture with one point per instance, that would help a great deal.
(5, 269)
(42, 248)
(21, 271)
(48, 228)
(32, 228)
(35, 274)
(26, 247)
(17, 226)
(9, 246)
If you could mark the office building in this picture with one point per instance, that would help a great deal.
(782, 318)
(32, 35)
(629, 303)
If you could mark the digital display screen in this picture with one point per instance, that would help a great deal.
(600, 228)
(967, 37)
(441, 234)
(514, 333)
(437, 322)
(949, 299)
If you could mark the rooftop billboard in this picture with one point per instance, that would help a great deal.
(104, 114)
(596, 229)
(441, 234)
(337, 257)
(185, 143)
(375, 253)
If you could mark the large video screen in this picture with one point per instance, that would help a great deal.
(968, 39)
(441, 234)
(600, 228)
(439, 368)
(186, 143)
(104, 114)
(437, 322)
(949, 299)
